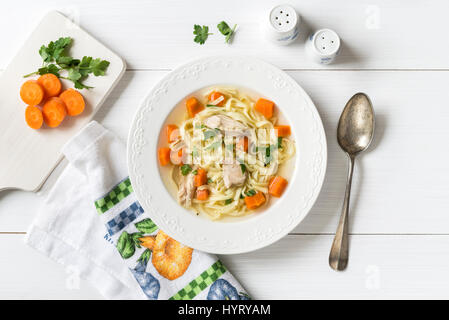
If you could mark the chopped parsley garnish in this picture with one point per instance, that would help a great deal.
(195, 172)
(250, 193)
(195, 152)
(201, 33)
(214, 146)
(279, 142)
(268, 157)
(209, 180)
(185, 169)
(225, 30)
(209, 134)
(211, 105)
(255, 148)
(243, 167)
(228, 201)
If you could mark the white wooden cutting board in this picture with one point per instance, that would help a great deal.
(28, 156)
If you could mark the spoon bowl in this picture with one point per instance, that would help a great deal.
(354, 134)
(356, 126)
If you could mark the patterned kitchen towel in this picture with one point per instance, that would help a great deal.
(67, 229)
(163, 267)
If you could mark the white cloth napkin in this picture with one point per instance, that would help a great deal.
(130, 258)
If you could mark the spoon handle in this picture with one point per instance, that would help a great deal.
(338, 258)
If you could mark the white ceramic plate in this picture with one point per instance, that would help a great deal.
(260, 229)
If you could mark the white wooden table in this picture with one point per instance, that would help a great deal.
(396, 52)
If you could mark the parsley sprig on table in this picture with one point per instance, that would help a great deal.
(201, 33)
(55, 59)
(225, 30)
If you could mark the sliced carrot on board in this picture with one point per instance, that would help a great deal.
(200, 178)
(172, 133)
(51, 85)
(265, 107)
(164, 156)
(31, 92)
(176, 157)
(242, 144)
(54, 112)
(33, 117)
(277, 186)
(283, 131)
(193, 106)
(216, 95)
(202, 194)
(74, 101)
(255, 201)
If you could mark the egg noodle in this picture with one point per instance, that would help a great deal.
(210, 148)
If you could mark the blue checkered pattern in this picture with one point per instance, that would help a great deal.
(124, 218)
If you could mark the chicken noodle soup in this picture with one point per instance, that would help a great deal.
(226, 152)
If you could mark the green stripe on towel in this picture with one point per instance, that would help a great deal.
(203, 281)
(117, 194)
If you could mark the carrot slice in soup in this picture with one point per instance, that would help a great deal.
(217, 95)
(74, 101)
(277, 186)
(202, 194)
(283, 131)
(255, 201)
(172, 133)
(193, 106)
(200, 178)
(33, 117)
(31, 92)
(265, 107)
(54, 112)
(164, 156)
(51, 84)
(242, 144)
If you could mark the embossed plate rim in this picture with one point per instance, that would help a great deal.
(265, 227)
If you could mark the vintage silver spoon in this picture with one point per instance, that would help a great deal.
(354, 134)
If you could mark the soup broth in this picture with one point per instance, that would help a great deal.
(215, 122)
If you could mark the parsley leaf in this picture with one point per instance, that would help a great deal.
(74, 74)
(214, 146)
(195, 152)
(195, 172)
(280, 142)
(54, 50)
(209, 134)
(228, 201)
(51, 68)
(98, 67)
(185, 169)
(250, 193)
(225, 30)
(243, 167)
(201, 33)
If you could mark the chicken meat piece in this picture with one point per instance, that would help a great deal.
(186, 190)
(233, 175)
(224, 123)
